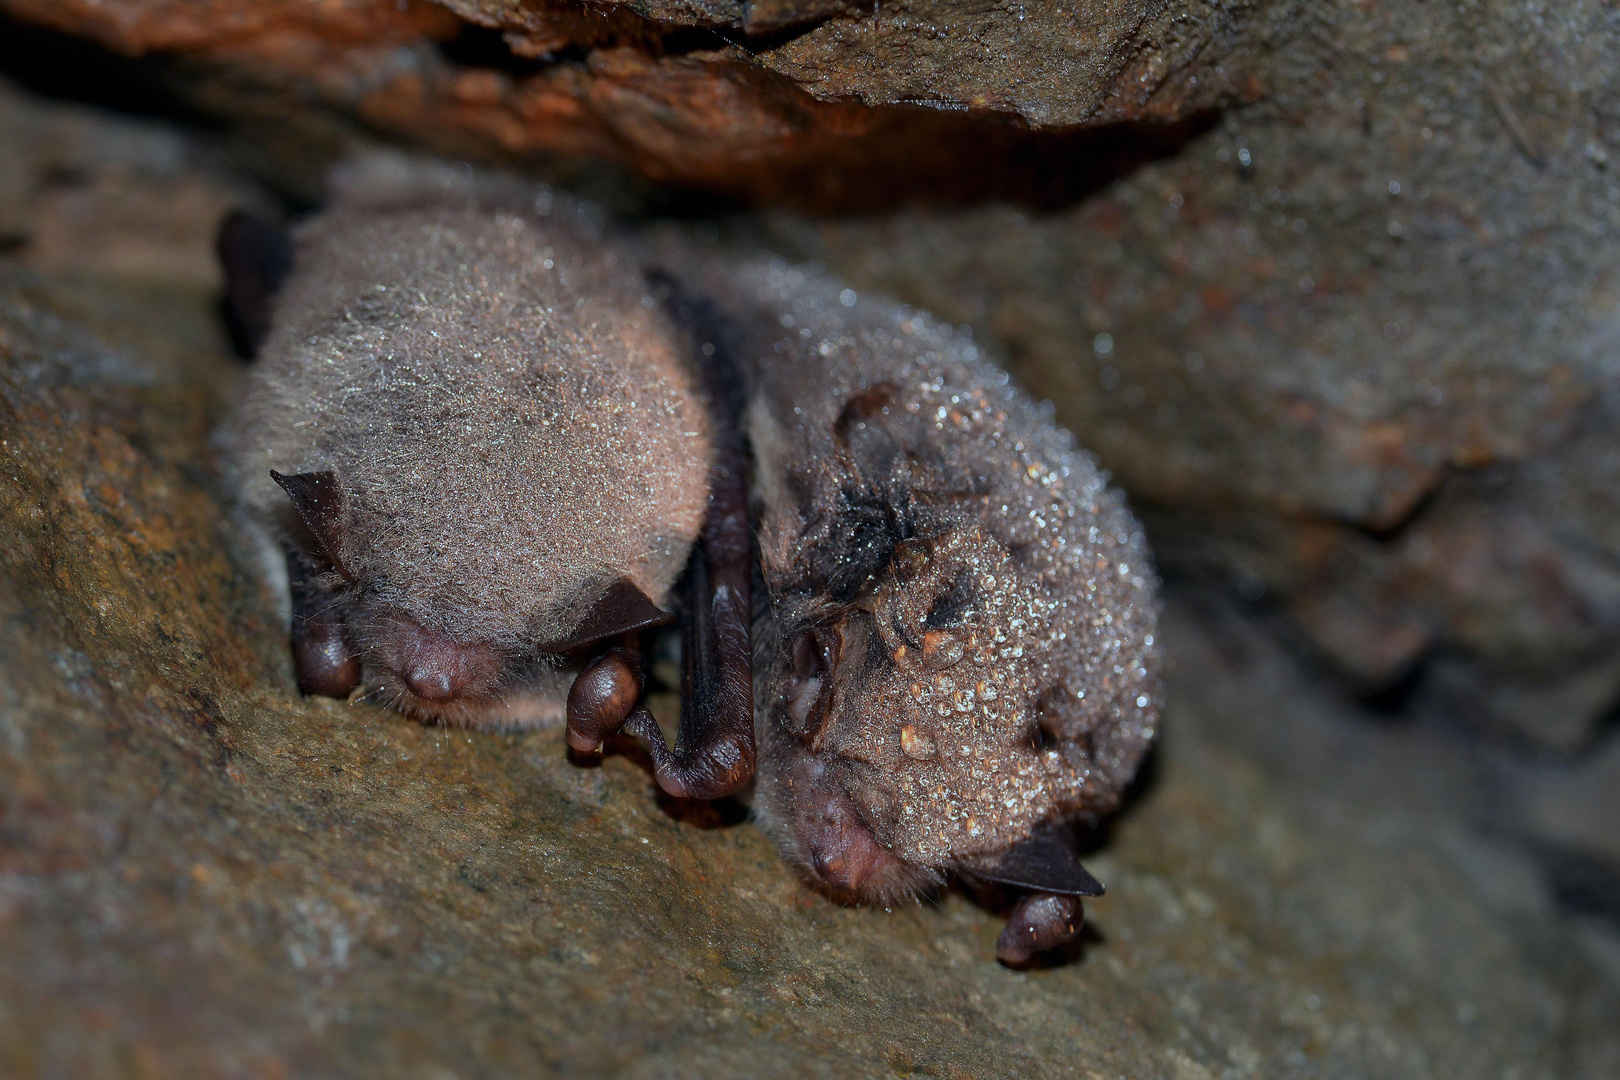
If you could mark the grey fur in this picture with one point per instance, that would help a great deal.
(509, 412)
(898, 474)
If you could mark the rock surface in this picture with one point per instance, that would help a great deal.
(1357, 347)
(202, 873)
(807, 101)
(1352, 345)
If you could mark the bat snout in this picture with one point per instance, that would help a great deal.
(435, 668)
(844, 854)
(432, 681)
(837, 846)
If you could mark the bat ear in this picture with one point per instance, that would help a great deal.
(256, 257)
(1046, 862)
(318, 498)
(622, 609)
(810, 686)
(863, 406)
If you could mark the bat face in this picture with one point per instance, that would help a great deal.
(912, 715)
(449, 430)
(959, 654)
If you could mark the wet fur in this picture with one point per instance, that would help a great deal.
(897, 472)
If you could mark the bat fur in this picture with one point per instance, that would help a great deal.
(954, 644)
(959, 641)
(510, 417)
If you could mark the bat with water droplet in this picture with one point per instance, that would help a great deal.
(461, 391)
(955, 660)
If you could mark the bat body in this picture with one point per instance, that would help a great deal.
(958, 653)
(486, 443)
(476, 436)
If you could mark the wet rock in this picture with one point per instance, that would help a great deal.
(202, 873)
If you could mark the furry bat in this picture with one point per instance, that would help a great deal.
(955, 652)
(956, 662)
(476, 437)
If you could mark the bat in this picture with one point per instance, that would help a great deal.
(473, 437)
(951, 659)
(954, 653)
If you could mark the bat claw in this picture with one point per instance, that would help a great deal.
(672, 785)
(603, 695)
(1038, 923)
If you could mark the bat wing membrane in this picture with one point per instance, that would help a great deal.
(622, 609)
(1046, 862)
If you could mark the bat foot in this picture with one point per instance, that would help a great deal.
(603, 695)
(327, 665)
(1038, 923)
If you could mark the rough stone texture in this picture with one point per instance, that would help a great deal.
(1357, 345)
(802, 101)
(1353, 345)
(203, 874)
(1044, 64)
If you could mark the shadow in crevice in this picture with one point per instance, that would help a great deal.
(72, 69)
(822, 158)
(724, 813)
(1583, 883)
(912, 156)
(485, 48)
(1392, 701)
(1231, 614)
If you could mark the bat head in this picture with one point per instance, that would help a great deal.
(373, 633)
(910, 733)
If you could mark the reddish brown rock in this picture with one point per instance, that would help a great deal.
(804, 103)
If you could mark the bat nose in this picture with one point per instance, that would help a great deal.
(435, 667)
(830, 865)
(427, 679)
(843, 852)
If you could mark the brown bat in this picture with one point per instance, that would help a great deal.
(955, 652)
(956, 659)
(475, 436)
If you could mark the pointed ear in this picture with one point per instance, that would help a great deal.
(1046, 862)
(623, 608)
(318, 498)
(256, 257)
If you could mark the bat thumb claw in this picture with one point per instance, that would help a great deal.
(673, 785)
(581, 743)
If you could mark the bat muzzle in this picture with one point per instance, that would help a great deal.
(434, 671)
